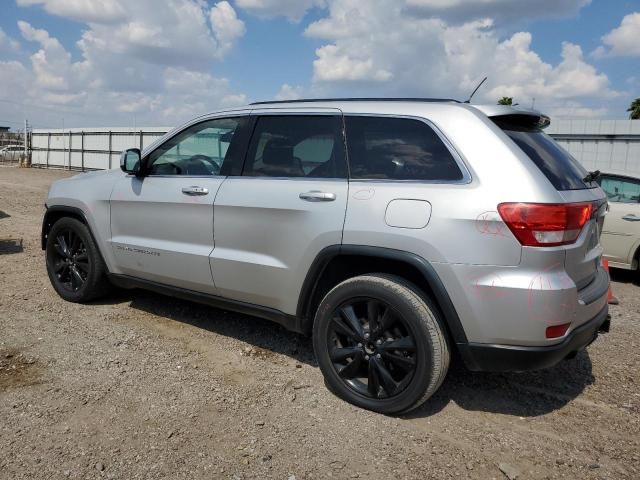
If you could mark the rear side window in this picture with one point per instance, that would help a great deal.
(397, 149)
(563, 171)
(297, 146)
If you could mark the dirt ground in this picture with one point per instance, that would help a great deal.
(144, 386)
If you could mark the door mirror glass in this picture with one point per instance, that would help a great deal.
(130, 161)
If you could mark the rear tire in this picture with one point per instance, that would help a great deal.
(380, 343)
(74, 264)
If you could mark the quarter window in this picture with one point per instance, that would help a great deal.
(199, 150)
(398, 149)
(621, 190)
(297, 146)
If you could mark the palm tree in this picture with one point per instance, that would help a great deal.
(634, 109)
(505, 101)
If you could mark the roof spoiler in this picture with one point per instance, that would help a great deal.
(503, 114)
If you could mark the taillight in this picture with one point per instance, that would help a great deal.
(557, 330)
(545, 224)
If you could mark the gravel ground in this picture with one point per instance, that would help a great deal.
(144, 386)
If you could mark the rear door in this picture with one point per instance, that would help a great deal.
(621, 232)
(162, 223)
(286, 206)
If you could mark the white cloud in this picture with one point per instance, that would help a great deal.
(154, 63)
(94, 11)
(289, 92)
(623, 40)
(7, 43)
(294, 10)
(429, 57)
(227, 27)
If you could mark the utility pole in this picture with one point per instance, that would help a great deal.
(26, 124)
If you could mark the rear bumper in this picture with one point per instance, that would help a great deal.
(509, 358)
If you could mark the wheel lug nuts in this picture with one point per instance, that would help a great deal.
(366, 335)
(378, 342)
(366, 357)
(359, 345)
(378, 355)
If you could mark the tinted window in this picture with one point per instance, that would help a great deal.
(562, 170)
(620, 189)
(199, 150)
(297, 146)
(398, 148)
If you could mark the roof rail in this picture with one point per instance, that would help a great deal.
(362, 99)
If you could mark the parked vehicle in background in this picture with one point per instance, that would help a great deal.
(395, 232)
(11, 153)
(621, 231)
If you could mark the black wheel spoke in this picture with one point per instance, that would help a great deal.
(342, 328)
(405, 363)
(340, 354)
(84, 266)
(352, 369)
(386, 320)
(404, 343)
(373, 385)
(389, 385)
(373, 311)
(349, 314)
(75, 243)
(61, 247)
(59, 266)
(82, 257)
(76, 278)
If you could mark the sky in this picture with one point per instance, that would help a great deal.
(93, 63)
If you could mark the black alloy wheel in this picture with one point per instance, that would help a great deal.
(76, 269)
(371, 347)
(70, 260)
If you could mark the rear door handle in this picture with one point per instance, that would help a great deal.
(195, 190)
(317, 196)
(631, 218)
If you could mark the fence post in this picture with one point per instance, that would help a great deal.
(109, 163)
(48, 148)
(82, 153)
(69, 159)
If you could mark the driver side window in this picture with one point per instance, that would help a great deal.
(199, 150)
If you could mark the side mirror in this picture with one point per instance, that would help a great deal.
(130, 161)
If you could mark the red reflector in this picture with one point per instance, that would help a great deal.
(557, 330)
(545, 224)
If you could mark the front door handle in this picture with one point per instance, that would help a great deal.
(195, 190)
(631, 218)
(317, 196)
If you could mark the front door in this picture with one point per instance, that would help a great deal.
(162, 222)
(288, 204)
(621, 231)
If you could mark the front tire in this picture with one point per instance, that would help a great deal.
(380, 344)
(76, 269)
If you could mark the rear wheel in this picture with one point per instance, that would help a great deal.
(380, 344)
(76, 269)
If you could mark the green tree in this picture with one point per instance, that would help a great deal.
(505, 101)
(634, 109)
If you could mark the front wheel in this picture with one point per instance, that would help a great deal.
(380, 344)
(75, 267)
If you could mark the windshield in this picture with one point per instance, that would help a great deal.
(563, 171)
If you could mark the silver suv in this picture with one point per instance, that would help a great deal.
(395, 232)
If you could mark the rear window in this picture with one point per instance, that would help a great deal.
(563, 171)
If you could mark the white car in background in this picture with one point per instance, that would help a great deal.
(621, 230)
(11, 152)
